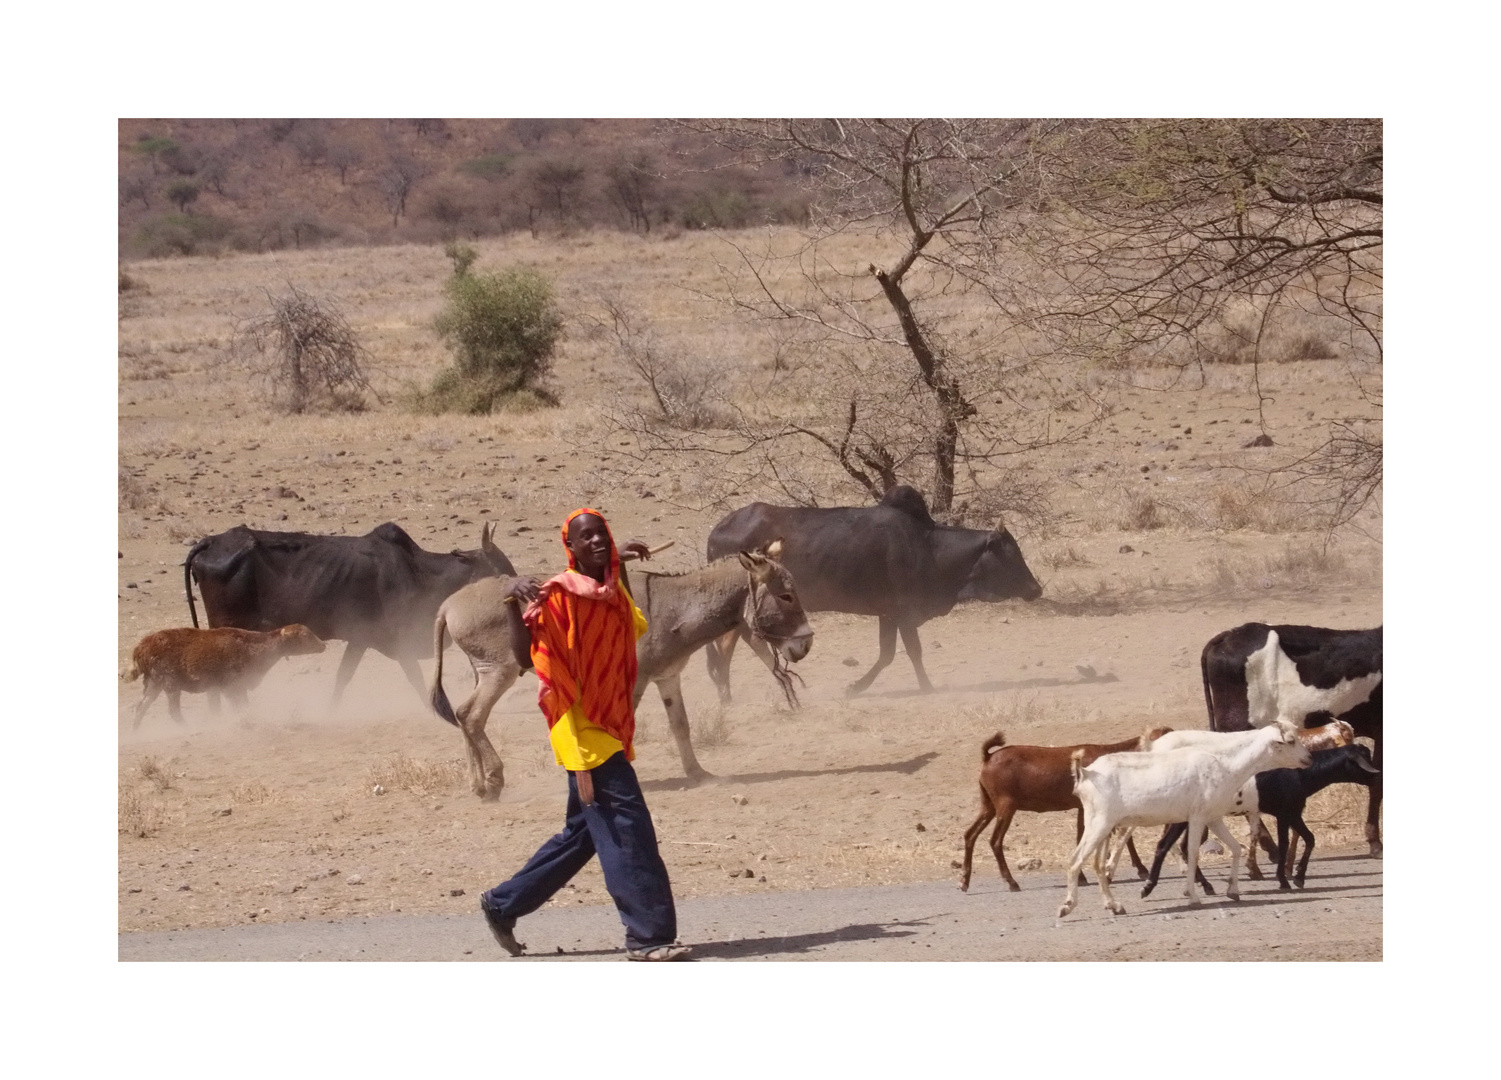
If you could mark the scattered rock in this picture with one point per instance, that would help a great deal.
(1188, 431)
(131, 585)
(455, 892)
(848, 661)
(729, 836)
(184, 887)
(354, 879)
(135, 888)
(956, 864)
(224, 811)
(378, 790)
(762, 879)
(427, 873)
(747, 873)
(1260, 440)
(1030, 864)
(1146, 468)
(739, 800)
(1125, 549)
(1085, 671)
(560, 948)
(921, 827)
(284, 492)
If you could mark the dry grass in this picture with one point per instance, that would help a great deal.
(1059, 558)
(153, 770)
(711, 731)
(1142, 513)
(140, 817)
(399, 772)
(253, 793)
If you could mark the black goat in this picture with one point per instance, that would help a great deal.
(1284, 793)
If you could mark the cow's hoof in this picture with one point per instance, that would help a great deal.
(1376, 849)
(964, 886)
(1234, 896)
(1146, 891)
(1141, 873)
(1116, 908)
(1298, 882)
(1065, 909)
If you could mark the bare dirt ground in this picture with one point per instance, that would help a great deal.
(272, 817)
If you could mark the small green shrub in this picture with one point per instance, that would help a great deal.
(717, 210)
(502, 329)
(180, 234)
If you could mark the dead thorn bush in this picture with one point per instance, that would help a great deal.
(304, 354)
(399, 772)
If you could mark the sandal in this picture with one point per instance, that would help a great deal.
(659, 952)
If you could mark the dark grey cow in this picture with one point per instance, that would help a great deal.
(890, 560)
(378, 591)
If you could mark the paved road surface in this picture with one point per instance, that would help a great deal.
(1337, 917)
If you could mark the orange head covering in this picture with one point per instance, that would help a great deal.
(584, 645)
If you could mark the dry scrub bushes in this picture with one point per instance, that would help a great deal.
(400, 772)
(1295, 566)
(304, 354)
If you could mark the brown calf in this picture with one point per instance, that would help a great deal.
(210, 661)
(1035, 778)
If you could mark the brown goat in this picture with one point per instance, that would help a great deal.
(209, 661)
(1035, 778)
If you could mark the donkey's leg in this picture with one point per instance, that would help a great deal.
(671, 689)
(718, 653)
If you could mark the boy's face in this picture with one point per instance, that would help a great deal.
(589, 541)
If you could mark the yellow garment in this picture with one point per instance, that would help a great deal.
(579, 744)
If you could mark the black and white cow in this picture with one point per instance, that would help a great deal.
(1257, 674)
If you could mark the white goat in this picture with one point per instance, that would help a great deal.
(1195, 785)
(1325, 737)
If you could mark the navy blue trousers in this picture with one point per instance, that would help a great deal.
(617, 827)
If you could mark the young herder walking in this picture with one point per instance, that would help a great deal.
(583, 626)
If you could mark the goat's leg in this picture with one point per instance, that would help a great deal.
(1373, 807)
(913, 645)
(1079, 835)
(1141, 870)
(1191, 862)
(149, 693)
(1307, 835)
(718, 653)
(1095, 832)
(1004, 814)
(1102, 869)
(888, 650)
(671, 689)
(1252, 870)
(971, 834)
(347, 664)
(1282, 855)
(1121, 844)
(1170, 836)
(1219, 828)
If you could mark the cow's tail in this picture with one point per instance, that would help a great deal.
(436, 696)
(130, 671)
(992, 744)
(187, 577)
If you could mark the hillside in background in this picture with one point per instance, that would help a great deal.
(203, 186)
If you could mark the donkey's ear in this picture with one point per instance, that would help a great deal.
(773, 550)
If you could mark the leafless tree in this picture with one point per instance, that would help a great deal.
(135, 186)
(304, 352)
(918, 367)
(1164, 240)
(397, 180)
(557, 184)
(344, 157)
(632, 181)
